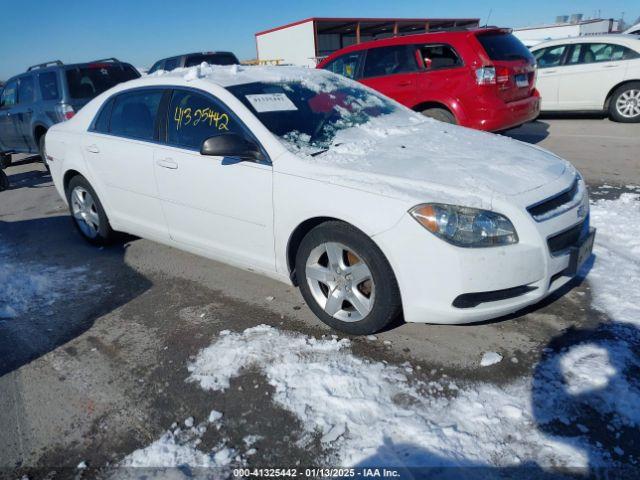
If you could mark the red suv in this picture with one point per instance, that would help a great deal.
(483, 78)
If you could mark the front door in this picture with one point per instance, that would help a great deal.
(8, 132)
(23, 114)
(220, 205)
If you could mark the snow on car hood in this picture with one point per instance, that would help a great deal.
(403, 155)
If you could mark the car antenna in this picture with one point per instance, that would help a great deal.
(488, 17)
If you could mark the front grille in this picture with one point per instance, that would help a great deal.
(542, 210)
(470, 300)
(562, 241)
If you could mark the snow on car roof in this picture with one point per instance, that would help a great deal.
(227, 76)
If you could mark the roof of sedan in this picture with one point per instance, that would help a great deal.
(619, 38)
(227, 76)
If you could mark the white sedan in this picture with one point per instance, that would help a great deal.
(596, 73)
(371, 209)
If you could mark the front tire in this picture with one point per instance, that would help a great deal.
(624, 106)
(346, 280)
(87, 212)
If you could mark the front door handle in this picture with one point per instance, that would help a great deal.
(93, 149)
(167, 163)
(611, 65)
(404, 84)
(546, 72)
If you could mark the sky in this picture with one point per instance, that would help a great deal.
(143, 31)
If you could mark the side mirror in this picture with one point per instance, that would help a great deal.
(231, 145)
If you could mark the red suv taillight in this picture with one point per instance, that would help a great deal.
(492, 75)
(65, 112)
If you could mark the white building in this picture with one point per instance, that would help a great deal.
(531, 36)
(307, 41)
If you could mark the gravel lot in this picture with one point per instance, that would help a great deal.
(99, 369)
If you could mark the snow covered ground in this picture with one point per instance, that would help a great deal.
(370, 413)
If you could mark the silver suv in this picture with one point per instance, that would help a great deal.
(49, 93)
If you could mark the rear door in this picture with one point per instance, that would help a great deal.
(8, 100)
(442, 72)
(550, 63)
(218, 204)
(591, 70)
(119, 150)
(392, 71)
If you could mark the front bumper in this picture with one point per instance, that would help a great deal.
(443, 284)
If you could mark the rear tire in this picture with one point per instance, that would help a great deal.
(87, 212)
(346, 280)
(440, 114)
(5, 160)
(624, 105)
(4, 181)
(43, 151)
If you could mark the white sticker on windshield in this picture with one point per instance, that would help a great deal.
(270, 102)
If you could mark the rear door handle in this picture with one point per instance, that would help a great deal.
(404, 84)
(93, 149)
(167, 163)
(611, 66)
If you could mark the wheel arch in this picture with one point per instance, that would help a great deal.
(609, 96)
(68, 175)
(39, 130)
(295, 239)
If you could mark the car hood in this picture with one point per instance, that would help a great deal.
(409, 160)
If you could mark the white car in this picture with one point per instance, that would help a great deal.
(635, 30)
(599, 73)
(318, 181)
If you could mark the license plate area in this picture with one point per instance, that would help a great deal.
(579, 254)
(522, 80)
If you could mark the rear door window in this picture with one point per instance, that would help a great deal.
(584, 53)
(194, 117)
(171, 63)
(211, 58)
(134, 114)
(346, 65)
(550, 56)
(389, 61)
(504, 47)
(26, 90)
(9, 95)
(90, 81)
(437, 57)
(48, 83)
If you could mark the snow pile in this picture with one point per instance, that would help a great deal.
(616, 273)
(374, 415)
(28, 287)
(490, 358)
(178, 448)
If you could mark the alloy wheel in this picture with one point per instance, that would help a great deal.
(340, 282)
(85, 212)
(628, 103)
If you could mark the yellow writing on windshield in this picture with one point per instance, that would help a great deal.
(185, 117)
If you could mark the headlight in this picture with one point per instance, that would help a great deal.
(465, 227)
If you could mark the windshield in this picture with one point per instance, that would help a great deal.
(92, 80)
(310, 115)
